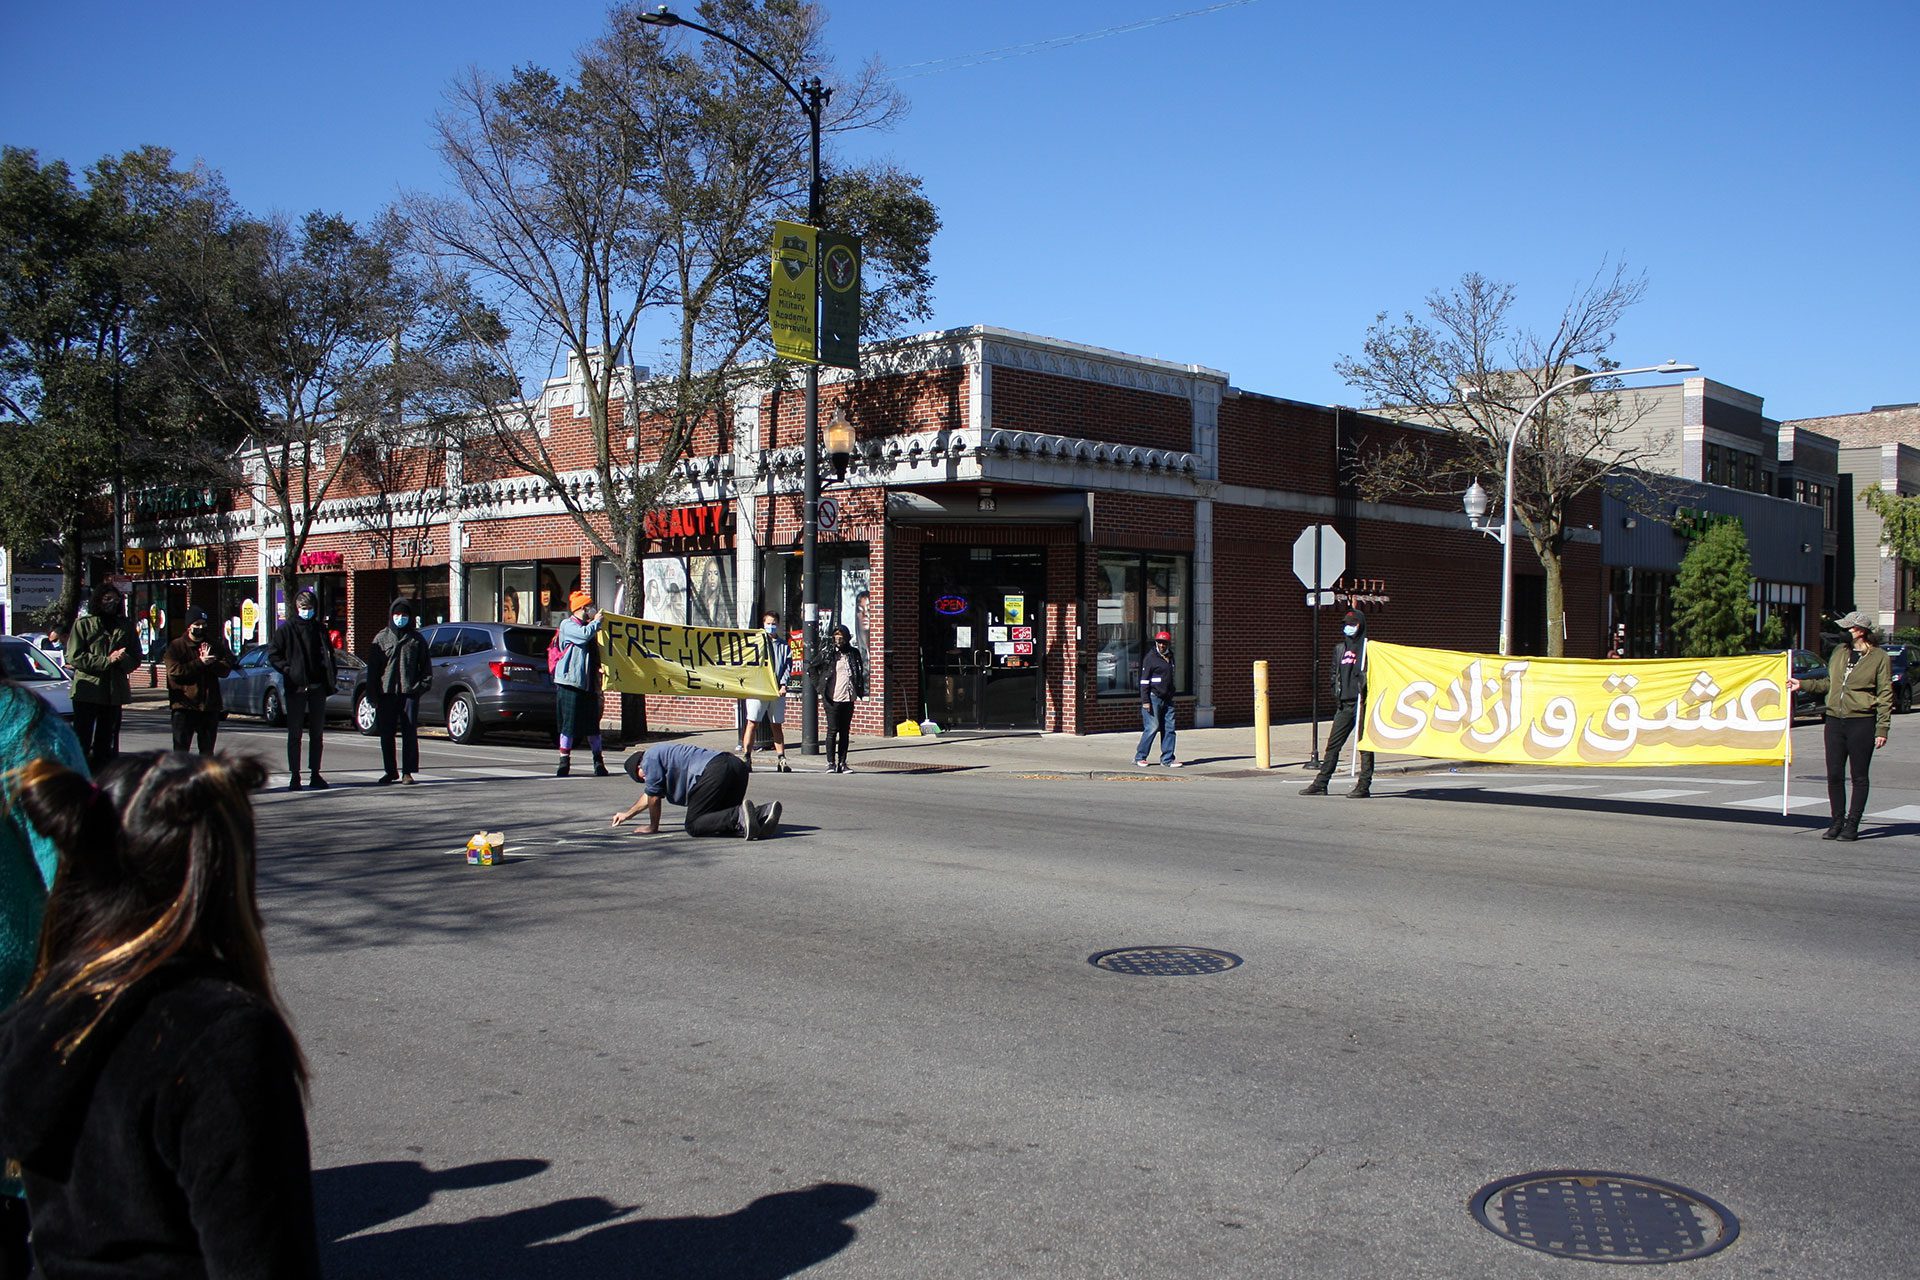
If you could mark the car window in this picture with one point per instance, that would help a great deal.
(254, 658)
(474, 640)
(527, 642)
(442, 642)
(24, 662)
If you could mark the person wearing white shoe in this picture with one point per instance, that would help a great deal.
(711, 784)
(1156, 702)
(774, 710)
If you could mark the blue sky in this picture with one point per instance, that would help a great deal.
(1242, 189)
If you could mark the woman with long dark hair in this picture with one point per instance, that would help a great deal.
(151, 1091)
(840, 674)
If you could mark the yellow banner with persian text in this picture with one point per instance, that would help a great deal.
(639, 656)
(1576, 711)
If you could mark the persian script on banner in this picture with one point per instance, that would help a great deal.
(1572, 711)
(639, 656)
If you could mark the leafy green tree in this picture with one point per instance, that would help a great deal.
(1713, 596)
(1899, 528)
(628, 204)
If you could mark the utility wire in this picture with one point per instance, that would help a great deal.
(934, 66)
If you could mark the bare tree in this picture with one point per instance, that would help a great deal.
(1466, 369)
(633, 202)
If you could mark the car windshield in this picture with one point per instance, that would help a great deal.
(24, 662)
(526, 641)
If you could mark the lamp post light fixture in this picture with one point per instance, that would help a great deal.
(1474, 502)
(1506, 516)
(812, 96)
(839, 442)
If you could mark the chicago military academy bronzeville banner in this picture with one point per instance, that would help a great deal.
(1575, 711)
(639, 656)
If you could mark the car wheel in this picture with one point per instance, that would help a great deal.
(463, 718)
(272, 710)
(364, 718)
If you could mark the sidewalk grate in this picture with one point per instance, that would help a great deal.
(1165, 962)
(1604, 1217)
(910, 766)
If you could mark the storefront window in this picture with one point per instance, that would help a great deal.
(516, 594)
(483, 593)
(1141, 594)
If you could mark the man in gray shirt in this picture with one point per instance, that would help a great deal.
(712, 785)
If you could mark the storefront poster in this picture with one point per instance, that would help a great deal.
(1020, 633)
(997, 634)
(1014, 609)
(1577, 712)
(963, 637)
(1002, 648)
(640, 656)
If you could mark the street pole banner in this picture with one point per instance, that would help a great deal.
(839, 300)
(1576, 711)
(639, 656)
(793, 303)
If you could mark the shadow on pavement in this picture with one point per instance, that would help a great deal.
(1869, 830)
(777, 1235)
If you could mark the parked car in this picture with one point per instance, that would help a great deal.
(1902, 683)
(1808, 666)
(35, 670)
(486, 675)
(253, 688)
(44, 643)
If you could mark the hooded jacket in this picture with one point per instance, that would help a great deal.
(398, 662)
(171, 1142)
(300, 652)
(1349, 658)
(193, 685)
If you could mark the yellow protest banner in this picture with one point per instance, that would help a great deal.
(1575, 711)
(639, 656)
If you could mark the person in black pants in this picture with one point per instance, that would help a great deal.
(103, 651)
(840, 677)
(1859, 689)
(301, 653)
(711, 784)
(195, 662)
(399, 671)
(1350, 696)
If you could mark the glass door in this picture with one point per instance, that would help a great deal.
(983, 652)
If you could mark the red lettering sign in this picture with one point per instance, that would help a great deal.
(707, 520)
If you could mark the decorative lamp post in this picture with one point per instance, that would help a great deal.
(812, 97)
(839, 442)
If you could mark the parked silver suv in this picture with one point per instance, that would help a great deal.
(486, 675)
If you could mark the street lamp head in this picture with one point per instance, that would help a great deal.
(1475, 502)
(1675, 366)
(661, 17)
(839, 442)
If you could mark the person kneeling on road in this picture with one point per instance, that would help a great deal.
(711, 784)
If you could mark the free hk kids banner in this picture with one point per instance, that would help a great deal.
(639, 656)
(1575, 711)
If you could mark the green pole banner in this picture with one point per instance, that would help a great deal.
(839, 300)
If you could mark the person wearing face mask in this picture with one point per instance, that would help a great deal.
(1859, 689)
(1156, 702)
(398, 672)
(195, 662)
(1350, 697)
(102, 651)
(300, 653)
(840, 674)
(773, 709)
(576, 683)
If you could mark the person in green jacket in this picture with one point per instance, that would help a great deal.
(1859, 689)
(103, 651)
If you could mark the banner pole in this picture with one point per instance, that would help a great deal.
(1786, 765)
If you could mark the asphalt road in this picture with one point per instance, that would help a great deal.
(874, 1046)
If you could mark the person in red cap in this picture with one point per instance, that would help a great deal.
(1350, 696)
(1156, 702)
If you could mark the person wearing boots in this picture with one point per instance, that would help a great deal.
(1350, 697)
(576, 683)
(774, 709)
(195, 662)
(103, 652)
(840, 674)
(398, 672)
(1859, 689)
(1156, 703)
(301, 653)
(711, 784)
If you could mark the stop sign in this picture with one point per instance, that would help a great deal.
(1333, 556)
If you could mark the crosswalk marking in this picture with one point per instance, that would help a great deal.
(1549, 788)
(1773, 802)
(1656, 793)
(1905, 813)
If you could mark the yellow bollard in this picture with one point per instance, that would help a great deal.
(1262, 747)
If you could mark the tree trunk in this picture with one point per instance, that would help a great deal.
(72, 568)
(1556, 604)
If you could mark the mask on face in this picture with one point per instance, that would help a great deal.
(110, 607)
(306, 615)
(773, 628)
(401, 622)
(1350, 630)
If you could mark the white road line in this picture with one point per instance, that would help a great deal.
(1549, 788)
(1773, 802)
(1905, 813)
(1657, 793)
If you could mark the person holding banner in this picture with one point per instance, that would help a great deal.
(1859, 689)
(711, 784)
(1350, 696)
(576, 683)
(840, 674)
(774, 709)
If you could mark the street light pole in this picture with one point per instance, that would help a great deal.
(812, 97)
(1506, 527)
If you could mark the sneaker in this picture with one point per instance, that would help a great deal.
(780, 765)
(386, 779)
(406, 779)
(769, 819)
(750, 825)
(293, 782)
(317, 782)
(844, 766)
(600, 769)
(1175, 764)
(1361, 792)
(565, 767)
(1139, 764)
(1314, 789)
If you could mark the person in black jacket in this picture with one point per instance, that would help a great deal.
(399, 670)
(300, 652)
(1350, 697)
(840, 676)
(1156, 702)
(151, 1091)
(195, 662)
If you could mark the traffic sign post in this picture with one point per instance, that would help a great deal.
(1319, 558)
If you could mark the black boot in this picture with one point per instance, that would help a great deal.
(1361, 790)
(599, 766)
(1833, 829)
(1850, 829)
(566, 767)
(1318, 787)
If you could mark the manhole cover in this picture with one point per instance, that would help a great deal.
(1604, 1217)
(1164, 962)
